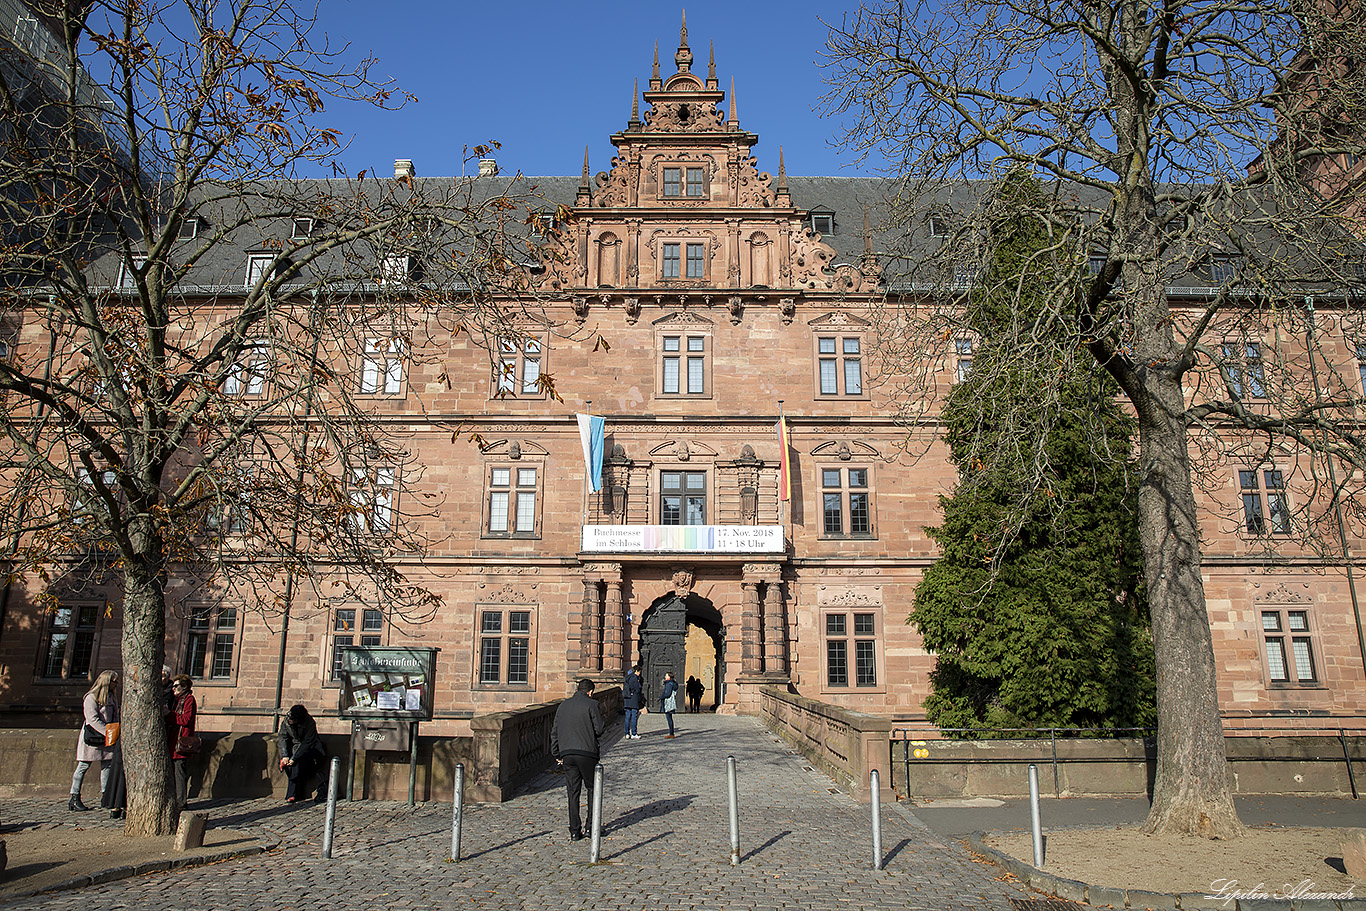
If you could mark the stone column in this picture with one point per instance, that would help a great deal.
(751, 658)
(590, 638)
(613, 623)
(775, 627)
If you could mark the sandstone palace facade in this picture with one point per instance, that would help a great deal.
(689, 298)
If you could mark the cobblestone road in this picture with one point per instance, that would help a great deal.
(803, 843)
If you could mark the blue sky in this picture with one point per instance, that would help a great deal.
(547, 78)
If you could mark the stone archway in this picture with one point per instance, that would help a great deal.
(664, 643)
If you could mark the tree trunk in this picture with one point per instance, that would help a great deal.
(1191, 795)
(146, 759)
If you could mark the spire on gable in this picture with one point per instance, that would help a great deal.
(781, 197)
(634, 123)
(733, 122)
(684, 56)
(585, 195)
(655, 81)
(711, 67)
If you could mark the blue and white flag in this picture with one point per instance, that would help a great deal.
(590, 434)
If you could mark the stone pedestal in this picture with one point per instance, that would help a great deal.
(190, 832)
(1354, 853)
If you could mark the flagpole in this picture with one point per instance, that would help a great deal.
(587, 474)
(782, 456)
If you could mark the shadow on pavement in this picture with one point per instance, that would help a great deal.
(650, 810)
(766, 845)
(506, 844)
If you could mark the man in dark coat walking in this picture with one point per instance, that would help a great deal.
(632, 692)
(574, 745)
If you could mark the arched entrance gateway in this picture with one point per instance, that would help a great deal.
(663, 646)
(734, 639)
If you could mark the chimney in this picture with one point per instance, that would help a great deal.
(403, 167)
(488, 167)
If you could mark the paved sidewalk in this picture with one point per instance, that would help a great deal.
(804, 844)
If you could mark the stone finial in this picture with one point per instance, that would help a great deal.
(869, 265)
(585, 189)
(711, 66)
(655, 81)
(733, 121)
(782, 172)
(684, 56)
(635, 102)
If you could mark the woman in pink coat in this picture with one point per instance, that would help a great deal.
(100, 708)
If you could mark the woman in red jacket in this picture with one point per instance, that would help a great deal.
(180, 732)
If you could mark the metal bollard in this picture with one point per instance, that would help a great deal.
(874, 787)
(734, 813)
(595, 817)
(459, 804)
(1034, 815)
(333, 774)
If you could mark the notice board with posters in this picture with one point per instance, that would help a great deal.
(387, 683)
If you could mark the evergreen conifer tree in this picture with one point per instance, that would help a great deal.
(1037, 616)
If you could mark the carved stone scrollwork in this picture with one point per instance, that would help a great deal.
(682, 580)
(754, 187)
(811, 260)
(683, 117)
(613, 187)
(632, 307)
(787, 308)
(736, 308)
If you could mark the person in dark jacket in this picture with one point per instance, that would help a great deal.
(668, 702)
(574, 744)
(694, 689)
(301, 752)
(632, 692)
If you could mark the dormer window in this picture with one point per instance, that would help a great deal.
(822, 223)
(939, 226)
(189, 228)
(303, 228)
(258, 266)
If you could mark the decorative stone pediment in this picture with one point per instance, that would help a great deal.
(681, 319)
(683, 450)
(845, 450)
(849, 596)
(1283, 594)
(515, 448)
(838, 319)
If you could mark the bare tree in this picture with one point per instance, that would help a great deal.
(194, 336)
(1202, 159)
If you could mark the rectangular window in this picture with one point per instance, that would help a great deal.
(505, 655)
(189, 228)
(303, 228)
(839, 365)
(247, 376)
(1224, 268)
(847, 505)
(962, 349)
(382, 367)
(1291, 662)
(695, 187)
(673, 182)
(211, 644)
(345, 635)
(128, 279)
(397, 268)
(512, 500)
(1246, 373)
(696, 261)
(845, 634)
(68, 642)
(519, 367)
(684, 367)
(683, 498)
(258, 267)
(670, 261)
(1276, 518)
(373, 492)
(823, 225)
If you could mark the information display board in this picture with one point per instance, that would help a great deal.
(387, 683)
